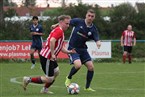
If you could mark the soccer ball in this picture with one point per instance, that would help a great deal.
(73, 88)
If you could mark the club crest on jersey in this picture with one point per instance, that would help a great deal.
(81, 27)
(37, 29)
(89, 33)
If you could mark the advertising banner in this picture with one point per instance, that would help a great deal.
(9, 50)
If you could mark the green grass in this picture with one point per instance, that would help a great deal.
(110, 80)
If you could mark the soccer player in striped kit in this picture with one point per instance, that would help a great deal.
(48, 55)
(128, 40)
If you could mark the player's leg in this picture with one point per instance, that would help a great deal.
(129, 54)
(56, 73)
(32, 50)
(86, 59)
(39, 50)
(89, 76)
(74, 58)
(27, 80)
(125, 53)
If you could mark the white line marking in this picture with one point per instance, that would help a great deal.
(14, 80)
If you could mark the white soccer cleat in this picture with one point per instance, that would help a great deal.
(33, 65)
(26, 81)
(45, 91)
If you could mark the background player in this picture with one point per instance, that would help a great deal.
(126, 41)
(36, 33)
(48, 55)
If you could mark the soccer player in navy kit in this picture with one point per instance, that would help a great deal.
(36, 33)
(83, 31)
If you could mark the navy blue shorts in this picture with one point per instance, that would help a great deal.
(81, 54)
(36, 46)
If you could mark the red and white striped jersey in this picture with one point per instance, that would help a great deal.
(58, 34)
(128, 37)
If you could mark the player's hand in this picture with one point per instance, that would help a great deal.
(72, 51)
(54, 26)
(34, 33)
(53, 58)
(98, 44)
(122, 44)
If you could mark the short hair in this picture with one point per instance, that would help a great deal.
(35, 17)
(63, 17)
(91, 11)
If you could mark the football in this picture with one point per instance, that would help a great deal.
(73, 88)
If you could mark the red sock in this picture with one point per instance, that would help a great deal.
(124, 58)
(129, 58)
(47, 85)
(36, 80)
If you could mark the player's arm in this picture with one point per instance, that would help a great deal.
(121, 40)
(64, 50)
(73, 22)
(54, 25)
(37, 33)
(52, 45)
(96, 37)
(98, 43)
(134, 41)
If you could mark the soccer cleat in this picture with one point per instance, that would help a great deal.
(89, 89)
(26, 81)
(45, 91)
(33, 65)
(67, 82)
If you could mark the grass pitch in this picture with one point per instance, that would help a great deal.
(110, 80)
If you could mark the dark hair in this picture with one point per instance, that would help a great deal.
(35, 17)
(62, 17)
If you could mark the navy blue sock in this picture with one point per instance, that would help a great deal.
(72, 72)
(32, 59)
(89, 78)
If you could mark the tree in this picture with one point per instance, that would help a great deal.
(1, 13)
(63, 3)
(28, 3)
(9, 3)
(121, 16)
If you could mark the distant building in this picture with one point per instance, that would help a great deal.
(139, 7)
(28, 11)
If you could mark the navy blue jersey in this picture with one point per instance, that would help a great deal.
(36, 39)
(81, 33)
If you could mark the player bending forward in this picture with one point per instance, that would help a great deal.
(48, 56)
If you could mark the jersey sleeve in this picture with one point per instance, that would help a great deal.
(95, 34)
(57, 34)
(74, 22)
(123, 33)
(134, 36)
(30, 28)
(40, 29)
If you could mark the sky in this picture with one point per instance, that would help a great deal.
(106, 3)
(102, 3)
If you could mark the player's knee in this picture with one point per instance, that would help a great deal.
(56, 72)
(78, 66)
(91, 68)
(49, 79)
